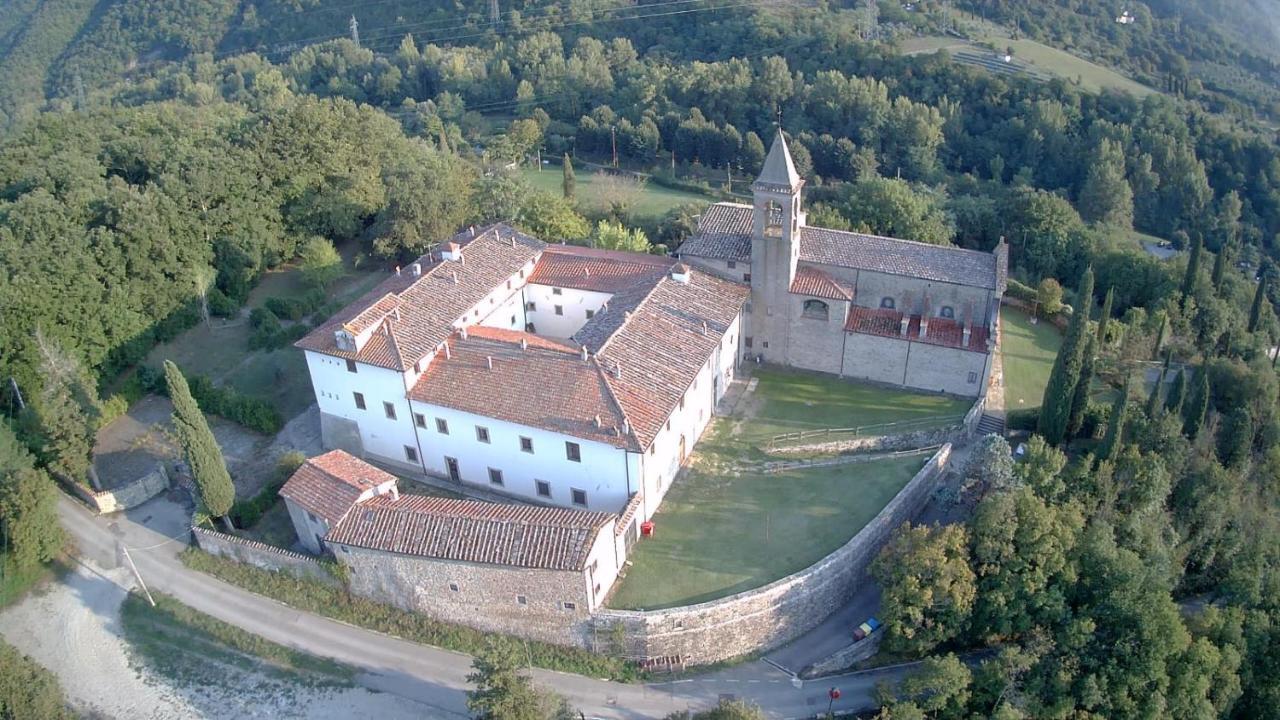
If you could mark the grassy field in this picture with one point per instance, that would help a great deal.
(650, 203)
(1028, 351)
(790, 400)
(718, 535)
(220, 349)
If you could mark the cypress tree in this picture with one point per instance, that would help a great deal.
(569, 184)
(1115, 424)
(1193, 267)
(1235, 437)
(1104, 316)
(1164, 324)
(1059, 394)
(1255, 312)
(1153, 400)
(1080, 400)
(1177, 393)
(1219, 266)
(1196, 408)
(200, 447)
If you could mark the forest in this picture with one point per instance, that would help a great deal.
(159, 157)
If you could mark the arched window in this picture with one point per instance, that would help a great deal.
(947, 312)
(816, 309)
(773, 219)
(887, 303)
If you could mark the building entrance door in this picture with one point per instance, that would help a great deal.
(452, 465)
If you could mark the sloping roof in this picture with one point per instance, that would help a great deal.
(426, 307)
(815, 283)
(472, 531)
(724, 232)
(942, 331)
(546, 385)
(654, 356)
(779, 171)
(329, 485)
(608, 271)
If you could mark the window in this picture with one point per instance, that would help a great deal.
(747, 308)
(746, 277)
(557, 291)
(746, 341)
(351, 366)
(531, 306)
(973, 378)
(513, 320)
(453, 587)
(314, 519)
(591, 314)
(528, 327)
(522, 600)
(569, 605)
(420, 420)
(681, 403)
(508, 284)
(411, 453)
(732, 264)
(765, 344)
(359, 400)
(579, 497)
(482, 434)
(947, 312)
(544, 488)
(816, 310)
(442, 426)
(389, 410)
(887, 303)
(559, 309)
(495, 476)
(572, 451)
(526, 444)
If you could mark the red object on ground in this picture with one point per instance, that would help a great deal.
(834, 693)
(646, 528)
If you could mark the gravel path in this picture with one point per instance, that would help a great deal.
(72, 627)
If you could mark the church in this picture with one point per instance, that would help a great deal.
(580, 377)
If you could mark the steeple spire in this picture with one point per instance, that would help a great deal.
(779, 171)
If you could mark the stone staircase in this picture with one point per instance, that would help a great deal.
(990, 425)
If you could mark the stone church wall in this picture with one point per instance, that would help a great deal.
(816, 344)
(875, 358)
(946, 369)
(764, 618)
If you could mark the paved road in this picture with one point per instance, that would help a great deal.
(428, 675)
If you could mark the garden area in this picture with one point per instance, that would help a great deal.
(1028, 350)
(728, 525)
(648, 201)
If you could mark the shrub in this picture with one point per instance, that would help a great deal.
(263, 318)
(246, 513)
(27, 690)
(220, 305)
(1022, 419)
(1021, 291)
(112, 408)
(250, 412)
(295, 308)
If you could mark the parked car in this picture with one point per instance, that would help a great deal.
(865, 629)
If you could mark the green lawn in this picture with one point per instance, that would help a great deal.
(790, 400)
(719, 534)
(1092, 77)
(650, 203)
(1028, 351)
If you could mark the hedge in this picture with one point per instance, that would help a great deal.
(226, 402)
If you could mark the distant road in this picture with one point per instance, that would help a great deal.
(434, 677)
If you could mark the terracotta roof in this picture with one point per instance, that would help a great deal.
(874, 321)
(813, 282)
(548, 385)
(428, 305)
(329, 485)
(725, 233)
(598, 270)
(942, 331)
(654, 356)
(472, 531)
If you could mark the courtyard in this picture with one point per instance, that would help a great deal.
(1028, 350)
(728, 525)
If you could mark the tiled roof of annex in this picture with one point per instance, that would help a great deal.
(609, 271)
(329, 485)
(724, 232)
(887, 322)
(474, 531)
(813, 282)
(417, 312)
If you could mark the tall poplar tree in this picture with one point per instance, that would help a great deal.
(208, 468)
(569, 183)
(1059, 394)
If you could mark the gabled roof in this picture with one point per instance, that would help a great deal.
(329, 485)
(427, 306)
(779, 172)
(813, 282)
(597, 270)
(725, 233)
(472, 531)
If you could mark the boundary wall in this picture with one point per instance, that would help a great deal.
(126, 496)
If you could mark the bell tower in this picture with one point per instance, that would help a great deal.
(775, 247)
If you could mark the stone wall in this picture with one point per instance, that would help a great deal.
(761, 619)
(126, 496)
(261, 555)
(957, 434)
(846, 657)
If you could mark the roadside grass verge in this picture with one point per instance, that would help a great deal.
(28, 690)
(16, 581)
(188, 647)
(338, 604)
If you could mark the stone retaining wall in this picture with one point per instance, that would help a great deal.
(846, 657)
(955, 434)
(127, 496)
(761, 619)
(261, 555)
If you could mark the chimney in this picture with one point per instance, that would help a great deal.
(524, 343)
(488, 360)
(462, 258)
(626, 316)
(924, 317)
(473, 231)
(454, 275)
(626, 426)
(447, 355)
(386, 326)
(680, 273)
(415, 269)
(464, 333)
(451, 251)
(584, 353)
(704, 327)
(598, 421)
(397, 270)
(617, 369)
(587, 272)
(902, 326)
